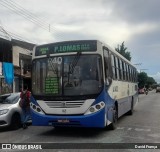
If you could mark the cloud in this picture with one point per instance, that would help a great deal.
(136, 12)
(156, 77)
(135, 23)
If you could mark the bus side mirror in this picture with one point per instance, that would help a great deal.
(107, 82)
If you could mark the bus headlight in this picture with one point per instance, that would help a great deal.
(98, 106)
(91, 109)
(36, 108)
(95, 108)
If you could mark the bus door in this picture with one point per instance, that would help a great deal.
(108, 80)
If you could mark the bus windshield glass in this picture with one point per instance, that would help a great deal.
(70, 75)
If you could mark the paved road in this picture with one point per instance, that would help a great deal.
(142, 127)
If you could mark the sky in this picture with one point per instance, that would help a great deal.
(134, 22)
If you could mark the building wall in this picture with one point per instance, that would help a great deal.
(16, 54)
(22, 67)
(5, 56)
(4, 87)
(16, 84)
(5, 51)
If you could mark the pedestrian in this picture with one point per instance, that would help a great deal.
(25, 105)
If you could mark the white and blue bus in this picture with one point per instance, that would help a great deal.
(81, 83)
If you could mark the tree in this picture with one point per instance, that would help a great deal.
(145, 81)
(150, 82)
(122, 50)
(142, 79)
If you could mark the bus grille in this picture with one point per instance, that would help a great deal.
(64, 104)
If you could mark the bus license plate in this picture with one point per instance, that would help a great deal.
(63, 121)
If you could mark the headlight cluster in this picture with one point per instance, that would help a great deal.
(36, 108)
(95, 108)
(4, 111)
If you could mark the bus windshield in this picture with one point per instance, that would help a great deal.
(69, 75)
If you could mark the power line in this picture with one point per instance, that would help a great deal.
(9, 6)
(6, 35)
(13, 35)
(5, 32)
(16, 8)
(30, 14)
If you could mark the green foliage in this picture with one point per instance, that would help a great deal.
(151, 81)
(142, 79)
(145, 81)
(122, 50)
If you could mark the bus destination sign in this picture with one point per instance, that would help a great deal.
(64, 47)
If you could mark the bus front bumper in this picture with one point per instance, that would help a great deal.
(91, 120)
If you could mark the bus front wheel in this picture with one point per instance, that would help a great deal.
(113, 125)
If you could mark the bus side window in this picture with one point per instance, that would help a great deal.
(124, 70)
(117, 68)
(121, 69)
(107, 65)
(127, 73)
(113, 67)
(106, 62)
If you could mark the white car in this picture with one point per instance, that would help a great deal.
(158, 89)
(10, 111)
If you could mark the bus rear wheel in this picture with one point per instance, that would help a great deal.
(130, 112)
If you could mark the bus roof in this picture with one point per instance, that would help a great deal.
(115, 52)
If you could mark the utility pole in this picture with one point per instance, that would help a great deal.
(143, 70)
(137, 64)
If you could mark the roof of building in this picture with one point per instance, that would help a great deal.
(4, 40)
(22, 44)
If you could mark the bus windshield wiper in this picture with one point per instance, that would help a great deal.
(73, 64)
(55, 70)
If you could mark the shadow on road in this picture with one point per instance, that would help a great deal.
(6, 129)
(74, 132)
(78, 132)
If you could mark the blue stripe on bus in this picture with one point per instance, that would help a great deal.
(91, 120)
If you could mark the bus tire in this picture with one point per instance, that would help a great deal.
(113, 125)
(130, 112)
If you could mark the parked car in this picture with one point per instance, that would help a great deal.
(10, 111)
(157, 89)
(141, 91)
